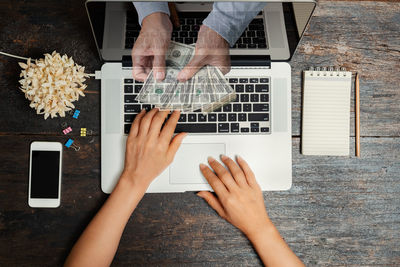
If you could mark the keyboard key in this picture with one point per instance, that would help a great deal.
(251, 33)
(262, 46)
(239, 88)
(129, 117)
(147, 107)
(242, 117)
(236, 98)
(244, 130)
(244, 98)
(231, 116)
(242, 46)
(223, 127)
(189, 40)
(254, 80)
(249, 88)
(174, 34)
(222, 117)
(258, 117)
(130, 99)
(234, 127)
(264, 97)
(128, 80)
(218, 110)
(182, 118)
(262, 88)
(212, 117)
(201, 117)
(197, 27)
(254, 125)
(252, 46)
(179, 40)
(191, 117)
(196, 127)
(254, 98)
(264, 80)
(138, 87)
(247, 107)
(260, 107)
(237, 107)
(255, 130)
(233, 80)
(192, 34)
(127, 128)
(128, 89)
(185, 28)
(190, 21)
(243, 80)
(132, 108)
(265, 129)
(260, 33)
(247, 40)
(227, 108)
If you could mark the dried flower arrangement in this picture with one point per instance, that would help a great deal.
(52, 84)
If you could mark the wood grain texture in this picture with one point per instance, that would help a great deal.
(340, 210)
(363, 37)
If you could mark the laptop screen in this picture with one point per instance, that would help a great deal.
(271, 29)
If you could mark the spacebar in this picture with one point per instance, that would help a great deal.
(196, 128)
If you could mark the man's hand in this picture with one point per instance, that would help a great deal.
(211, 49)
(240, 200)
(151, 46)
(150, 149)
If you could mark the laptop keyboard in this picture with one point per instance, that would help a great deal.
(252, 38)
(249, 113)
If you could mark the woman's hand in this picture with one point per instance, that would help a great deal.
(151, 46)
(239, 198)
(150, 149)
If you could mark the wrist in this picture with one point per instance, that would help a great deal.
(133, 182)
(263, 231)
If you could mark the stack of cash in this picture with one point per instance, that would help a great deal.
(206, 91)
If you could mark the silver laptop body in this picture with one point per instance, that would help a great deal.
(267, 150)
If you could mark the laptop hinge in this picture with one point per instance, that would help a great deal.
(126, 61)
(236, 61)
(251, 60)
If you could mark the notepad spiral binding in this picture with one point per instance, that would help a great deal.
(328, 71)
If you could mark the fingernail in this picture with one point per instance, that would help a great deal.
(223, 157)
(159, 76)
(211, 159)
(238, 157)
(202, 166)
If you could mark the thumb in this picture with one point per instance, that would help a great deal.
(213, 202)
(190, 69)
(159, 66)
(175, 144)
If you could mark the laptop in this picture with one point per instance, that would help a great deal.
(256, 125)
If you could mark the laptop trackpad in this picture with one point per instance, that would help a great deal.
(185, 167)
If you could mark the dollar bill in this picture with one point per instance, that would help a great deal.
(207, 90)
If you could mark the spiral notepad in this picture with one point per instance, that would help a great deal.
(326, 112)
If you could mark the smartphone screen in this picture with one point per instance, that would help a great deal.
(45, 174)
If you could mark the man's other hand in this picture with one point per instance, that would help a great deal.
(211, 49)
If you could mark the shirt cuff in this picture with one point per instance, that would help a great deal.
(146, 8)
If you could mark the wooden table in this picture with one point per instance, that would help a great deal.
(339, 211)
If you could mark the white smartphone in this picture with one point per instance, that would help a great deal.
(45, 163)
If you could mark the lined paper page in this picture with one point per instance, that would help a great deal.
(326, 113)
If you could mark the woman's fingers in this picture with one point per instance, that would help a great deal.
(157, 122)
(169, 127)
(146, 122)
(235, 170)
(213, 202)
(214, 181)
(251, 179)
(223, 174)
(135, 125)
